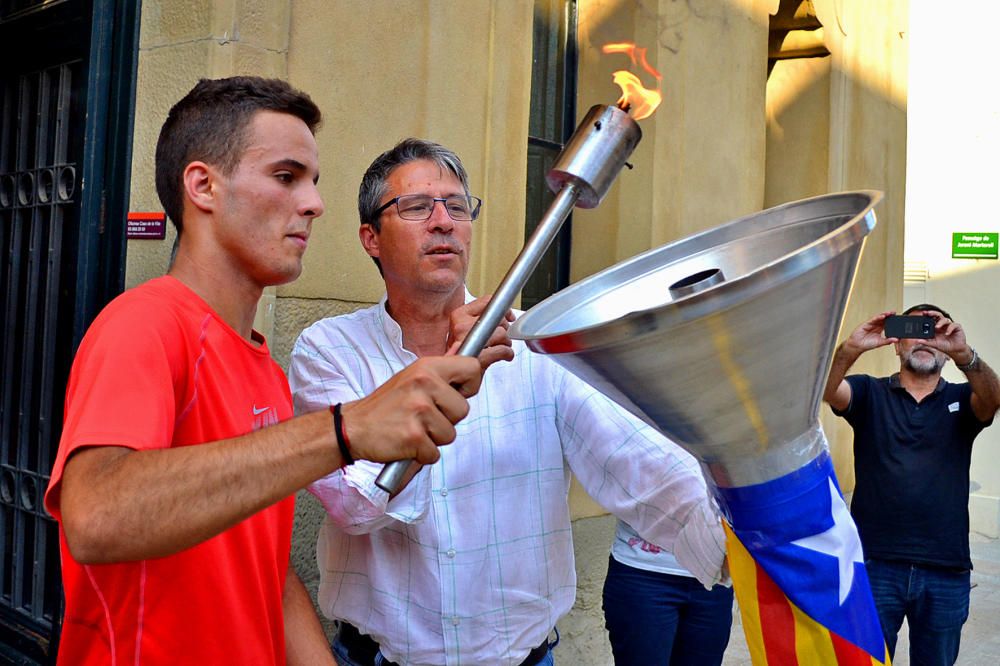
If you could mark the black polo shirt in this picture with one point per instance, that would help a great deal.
(911, 463)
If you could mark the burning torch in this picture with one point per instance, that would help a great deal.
(582, 175)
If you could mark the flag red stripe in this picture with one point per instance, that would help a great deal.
(849, 654)
(776, 621)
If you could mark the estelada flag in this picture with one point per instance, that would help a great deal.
(799, 575)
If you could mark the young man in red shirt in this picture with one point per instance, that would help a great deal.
(179, 459)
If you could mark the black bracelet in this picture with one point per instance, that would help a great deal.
(342, 442)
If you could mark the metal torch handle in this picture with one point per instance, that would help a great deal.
(391, 476)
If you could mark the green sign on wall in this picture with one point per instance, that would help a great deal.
(975, 245)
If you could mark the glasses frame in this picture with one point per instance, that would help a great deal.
(395, 201)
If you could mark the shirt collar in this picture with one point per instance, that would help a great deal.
(389, 325)
(894, 383)
(391, 328)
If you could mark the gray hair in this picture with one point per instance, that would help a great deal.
(373, 184)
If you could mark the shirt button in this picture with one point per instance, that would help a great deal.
(451, 552)
(444, 492)
(455, 621)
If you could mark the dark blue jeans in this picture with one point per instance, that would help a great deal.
(656, 618)
(935, 603)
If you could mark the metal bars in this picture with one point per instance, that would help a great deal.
(38, 201)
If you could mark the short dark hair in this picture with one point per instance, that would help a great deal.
(926, 306)
(373, 183)
(210, 124)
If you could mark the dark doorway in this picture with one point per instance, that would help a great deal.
(550, 124)
(66, 105)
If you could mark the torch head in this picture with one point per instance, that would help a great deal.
(595, 154)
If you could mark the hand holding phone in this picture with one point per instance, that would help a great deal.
(909, 326)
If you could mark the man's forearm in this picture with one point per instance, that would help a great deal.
(120, 505)
(305, 642)
(985, 387)
(843, 358)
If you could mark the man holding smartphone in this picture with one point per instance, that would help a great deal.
(913, 435)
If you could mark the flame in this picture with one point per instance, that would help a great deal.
(636, 98)
(636, 53)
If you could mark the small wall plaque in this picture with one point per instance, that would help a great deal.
(146, 226)
(978, 245)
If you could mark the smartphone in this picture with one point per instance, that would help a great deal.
(909, 326)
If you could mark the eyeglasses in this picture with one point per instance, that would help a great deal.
(419, 207)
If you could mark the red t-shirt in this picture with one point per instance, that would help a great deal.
(158, 368)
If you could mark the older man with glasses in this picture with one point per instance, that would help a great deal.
(472, 561)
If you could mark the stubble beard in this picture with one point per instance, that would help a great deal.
(920, 366)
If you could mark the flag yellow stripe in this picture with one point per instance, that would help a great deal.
(812, 640)
(743, 571)
(813, 644)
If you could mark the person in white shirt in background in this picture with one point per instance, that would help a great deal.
(656, 612)
(472, 561)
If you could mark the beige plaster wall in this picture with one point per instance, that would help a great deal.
(691, 165)
(700, 160)
(954, 139)
(867, 150)
(970, 294)
(798, 130)
(181, 41)
(838, 123)
(459, 73)
(731, 140)
(453, 72)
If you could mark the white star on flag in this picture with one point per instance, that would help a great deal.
(840, 541)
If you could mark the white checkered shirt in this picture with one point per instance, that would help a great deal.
(472, 563)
